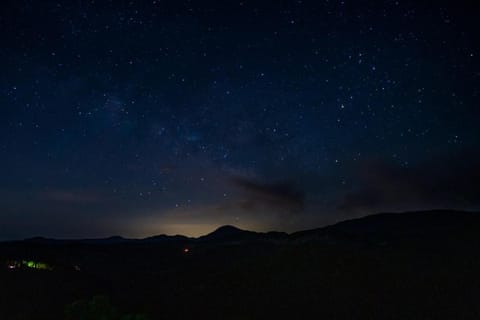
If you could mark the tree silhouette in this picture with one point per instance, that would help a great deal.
(97, 308)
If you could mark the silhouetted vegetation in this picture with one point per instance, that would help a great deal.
(96, 308)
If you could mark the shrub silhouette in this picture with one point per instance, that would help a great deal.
(97, 308)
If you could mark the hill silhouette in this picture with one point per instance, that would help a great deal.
(230, 233)
(407, 226)
(382, 226)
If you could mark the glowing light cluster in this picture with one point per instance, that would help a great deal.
(28, 264)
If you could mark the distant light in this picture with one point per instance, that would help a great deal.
(186, 250)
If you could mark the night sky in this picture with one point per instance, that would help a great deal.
(146, 117)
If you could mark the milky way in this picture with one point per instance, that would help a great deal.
(140, 118)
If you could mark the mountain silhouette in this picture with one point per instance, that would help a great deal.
(229, 233)
(409, 226)
(163, 238)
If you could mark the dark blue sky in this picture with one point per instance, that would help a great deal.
(148, 117)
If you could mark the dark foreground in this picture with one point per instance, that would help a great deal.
(408, 266)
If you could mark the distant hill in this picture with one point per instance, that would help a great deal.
(50, 241)
(234, 234)
(422, 225)
(166, 239)
(229, 233)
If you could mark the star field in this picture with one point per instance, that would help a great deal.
(140, 118)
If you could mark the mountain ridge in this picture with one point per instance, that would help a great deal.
(388, 224)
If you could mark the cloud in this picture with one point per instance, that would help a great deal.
(441, 182)
(277, 195)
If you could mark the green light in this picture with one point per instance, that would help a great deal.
(35, 265)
